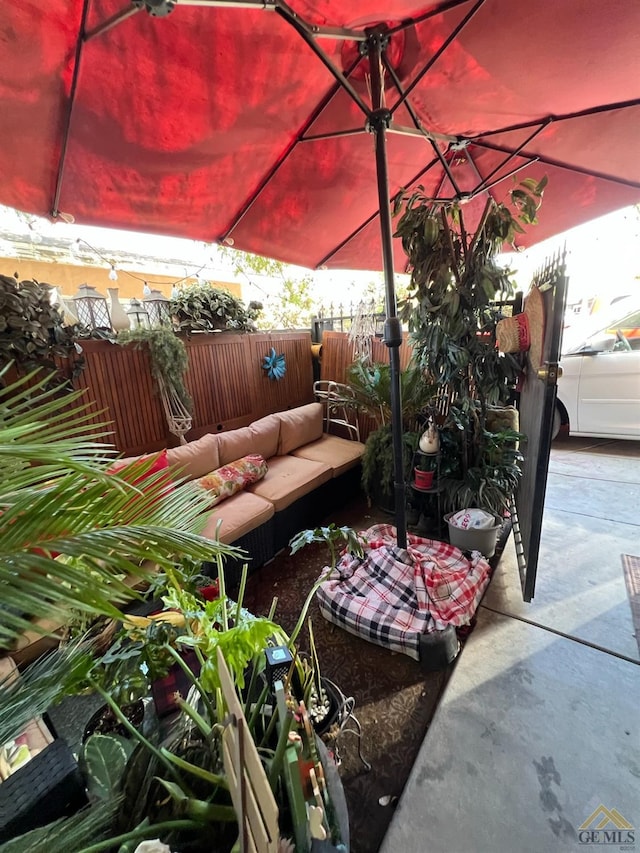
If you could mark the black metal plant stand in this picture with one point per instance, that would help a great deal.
(430, 498)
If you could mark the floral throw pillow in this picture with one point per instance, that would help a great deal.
(231, 478)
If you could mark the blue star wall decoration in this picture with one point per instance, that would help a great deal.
(274, 364)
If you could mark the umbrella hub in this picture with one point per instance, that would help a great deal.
(397, 47)
(378, 119)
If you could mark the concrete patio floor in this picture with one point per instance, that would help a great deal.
(536, 743)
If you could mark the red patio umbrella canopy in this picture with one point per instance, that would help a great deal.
(216, 123)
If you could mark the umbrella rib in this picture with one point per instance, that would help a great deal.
(300, 137)
(511, 156)
(484, 186)
(376, 213)
(589, 111)
(303, 30)
(452, 35)
(111, 22)
(402, 130)
(335, 134)
(432, 13)
(67, 126)
(416, 120)
(482, 180)
(560, 164)
(82, 40)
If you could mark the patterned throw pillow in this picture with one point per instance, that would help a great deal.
(231, 478)
(156, 462)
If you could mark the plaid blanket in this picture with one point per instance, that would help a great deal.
(394, 594)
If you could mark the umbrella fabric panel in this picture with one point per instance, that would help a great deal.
(176, 143)
(38, 46)
(569, 199)
(325, 190)
(600, 143)
(516, 63)
(175, 120)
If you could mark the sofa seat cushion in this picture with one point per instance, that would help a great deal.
(259, 437)
(289, 478)
(299, 426)
(340, 453)
(196, 458)
(238, 515)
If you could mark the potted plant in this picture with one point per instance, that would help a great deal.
(452, 314)
(203, 308)
(32, 330)
(168, 356)
(177, 788)
(371, 385)
(327, 704)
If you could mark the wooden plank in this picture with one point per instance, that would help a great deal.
(249, 787)
(257, 835)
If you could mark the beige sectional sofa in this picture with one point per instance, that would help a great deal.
(309, 472)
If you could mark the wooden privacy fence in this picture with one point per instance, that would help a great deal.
(225, 378)
(338, 352)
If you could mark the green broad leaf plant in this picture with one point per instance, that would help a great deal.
(32, 330)
(202, 307)
(452, 310)
(371, 385)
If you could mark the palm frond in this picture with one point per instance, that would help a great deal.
(57, 497)
(69, 834)
(41, 685)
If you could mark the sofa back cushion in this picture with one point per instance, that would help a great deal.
(299, 426)
(196, 458)
(259, 437)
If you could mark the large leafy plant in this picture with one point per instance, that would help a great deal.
(32, 330)
(57, 497)
(378, 463)
(204, 308)
(452, 310)
(371, 384)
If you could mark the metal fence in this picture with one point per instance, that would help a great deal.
(341, 318)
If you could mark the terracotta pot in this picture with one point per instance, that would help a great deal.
(423, 479)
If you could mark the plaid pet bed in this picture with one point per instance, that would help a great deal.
(393, 595)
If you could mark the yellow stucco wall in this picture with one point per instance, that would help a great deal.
(68, 278)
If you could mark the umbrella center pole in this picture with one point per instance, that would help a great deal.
(377, 123)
